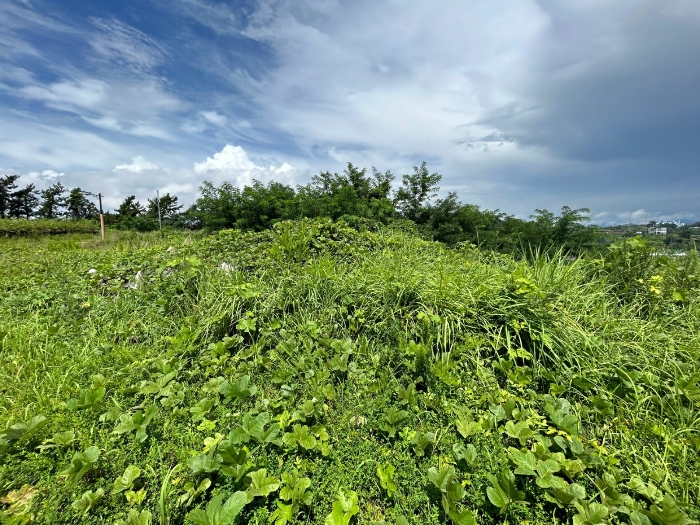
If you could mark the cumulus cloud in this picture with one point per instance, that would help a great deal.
(138, 164)
(232, 163)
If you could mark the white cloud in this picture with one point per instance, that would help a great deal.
(137, 108)
(232, 163)
(51, 174)
(121, 45)
(214, 118)
(69, 95)
(138, 164)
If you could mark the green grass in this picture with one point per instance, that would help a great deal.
(479, 387)
(37, 227)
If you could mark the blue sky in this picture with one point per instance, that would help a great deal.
(519, 104)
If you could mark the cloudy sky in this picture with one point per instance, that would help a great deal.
(519, 104)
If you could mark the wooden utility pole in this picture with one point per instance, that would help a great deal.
(160, 223)
(102, 217)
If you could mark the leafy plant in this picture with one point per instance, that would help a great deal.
(21, 431)
(465, 456)
(344, 508)
(238, 389)
(80, 464)
(89, 398)
(87, 501)
(502, 493)
(300, 436)
(252, 428)
(136, 518)
(385, 473)
(137, 422)
(391, 421)
(201, 409)
(192, 492)
(126, 480)
(422, 441)
(261, 485)
(452, 493)
(218, 512)
(59, 440)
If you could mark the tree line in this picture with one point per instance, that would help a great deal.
(363, 199)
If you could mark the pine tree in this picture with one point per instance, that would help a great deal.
(7, 184)
(24, 202)
(79, 207)
(130, 207)
(168, 207)
(52, 202)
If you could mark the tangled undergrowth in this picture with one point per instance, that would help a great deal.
(314, 374)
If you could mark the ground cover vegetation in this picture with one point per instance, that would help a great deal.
(314, 373)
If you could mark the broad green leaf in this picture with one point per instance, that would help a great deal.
(21, 431)
(566, 496)
(422, 441)
(497, 496)
(218, 514)
(59, 440)
(502, 491)
(344, 508)
(87, 501)
(191, 493)
(442, 477)
(228, 454)
(524, 461)
(261, 484)
(667, 514)
(464, 454)
(391, 420)
(126, 480)
(201, 408)
(136, 518)
(283, 514)
(202, 463)
(386, 478)
(590, 513)
(467, 428)
(465, 517)
(237, 390)
(648, 490)
(87, 399)
(300, 436)
(80, 464)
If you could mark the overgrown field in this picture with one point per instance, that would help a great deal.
(313, 374)
(36, 227)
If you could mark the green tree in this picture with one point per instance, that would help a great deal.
(53, 202)
(78, 206)
(129, 208)
(168, 207)
(24, 202)
(417, 189)
(216, 208)
(7, 184)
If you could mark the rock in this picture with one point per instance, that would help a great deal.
(91, 271)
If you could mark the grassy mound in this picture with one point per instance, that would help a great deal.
(37, 227)
(314, 374)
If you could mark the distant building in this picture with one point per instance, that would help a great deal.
(653, 230)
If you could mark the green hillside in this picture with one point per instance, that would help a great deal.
(313, 374)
